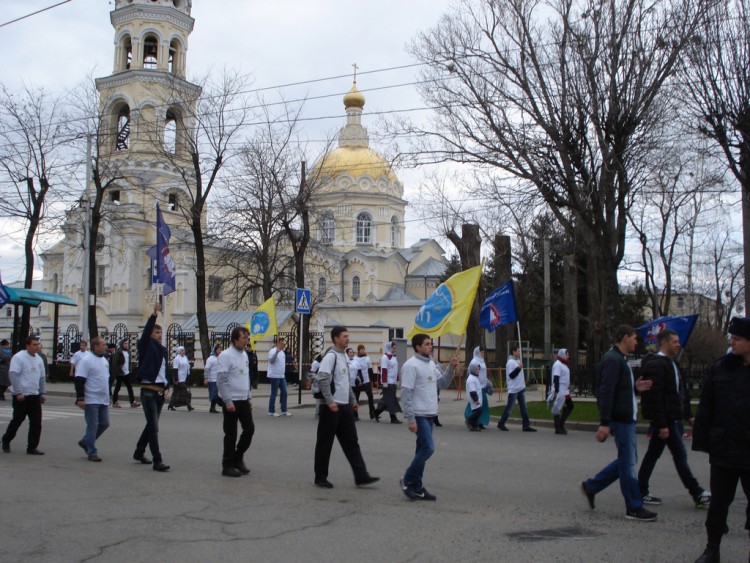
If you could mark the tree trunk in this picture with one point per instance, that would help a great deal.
(502, 250)
(200, 282)
(469, 246)
(572, 326)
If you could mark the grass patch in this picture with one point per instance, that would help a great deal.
(582, 412)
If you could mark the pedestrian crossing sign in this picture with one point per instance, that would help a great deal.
(302, 301)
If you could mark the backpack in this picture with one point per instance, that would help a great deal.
(315, 388)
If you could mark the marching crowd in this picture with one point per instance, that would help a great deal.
(721, 425)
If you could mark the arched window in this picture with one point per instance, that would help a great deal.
(170, 132)
(329, 228)
(150, 52)
(174, 57)
(172, 201)
(394, 231)
(99, 241)
(364, 228)
(322, 287)
(355, 288)
(123, 128)
(680, 302)
(127, 53)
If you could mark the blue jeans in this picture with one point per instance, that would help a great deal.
(276, 384)
(677, 448)
(425, 449)
(623, 468)
(521, 398)
(152, 403)
(97, 421)
(213, 391)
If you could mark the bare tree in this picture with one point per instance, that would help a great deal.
(716, 81)
(35, 163)
(564, 97)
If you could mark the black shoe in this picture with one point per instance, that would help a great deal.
(649, 499)
(530, 429)
(503, 427)
(34, 451)
(437, 423)
(141, 457)
(170, 408)
(710, 555)
(190, 408)
(324, 484)
(641, 514)
(370, 480)
(161, 467)
(231, 472)
(589, 496)
(395, 420)
(6, 447)
(241, 467)
(408, 491)
(83, 445)
(426, 495)
(213, 410)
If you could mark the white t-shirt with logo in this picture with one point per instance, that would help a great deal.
(473, 384)
(340, 378)
(95, 370)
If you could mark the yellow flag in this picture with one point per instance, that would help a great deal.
(263, 322)
(447, 310)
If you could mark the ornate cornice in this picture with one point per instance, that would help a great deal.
(159, 77)
(157, 13)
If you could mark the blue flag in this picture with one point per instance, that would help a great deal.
(164, 271)
(4, 297)
(499, 308)
(683, 326)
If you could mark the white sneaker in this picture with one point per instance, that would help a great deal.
(273, 414)
(287, 413)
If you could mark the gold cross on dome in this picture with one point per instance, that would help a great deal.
(355, 72)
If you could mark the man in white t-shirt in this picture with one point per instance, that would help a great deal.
(28, 390)
(336, 418)
(92, 395)
(419, 394)
(277, 377)
(516, 386)
(77, 357)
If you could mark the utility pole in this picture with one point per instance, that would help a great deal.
(86, 203)
(547, 306)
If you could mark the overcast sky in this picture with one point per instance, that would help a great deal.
(276, 42)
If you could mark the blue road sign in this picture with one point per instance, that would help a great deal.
(302, 301)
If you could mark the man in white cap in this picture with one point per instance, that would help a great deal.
(559, 399)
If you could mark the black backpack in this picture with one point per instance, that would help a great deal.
(315, 388)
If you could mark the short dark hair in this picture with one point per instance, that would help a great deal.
(30, 339)
(622, 331)
(514, 347)
(337, 330)
(96, 340)
(418, 339)
(157, 327)
(83, 342)
(4, 341)
(665, 334)
(360, 347)
(237, 333)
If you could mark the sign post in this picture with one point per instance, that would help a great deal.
(301, 307)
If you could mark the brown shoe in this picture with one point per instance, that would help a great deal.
(116, 405)
(135, 405)
(94, 458)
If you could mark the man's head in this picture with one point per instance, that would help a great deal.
(515, 350)
(626, 339)
(181, 350)
(280, 342)
(422, 344)
(669, 343)
(340, 337)
(4, 343)
(84, 345)
(240, 335)
(32, 344)
(124, 344)
(361, 351)
(98, 346)
(156, 333)
(739, 330)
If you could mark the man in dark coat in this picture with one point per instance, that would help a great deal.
(666, 405)
(722, 429)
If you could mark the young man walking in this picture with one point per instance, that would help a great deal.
(92, 395)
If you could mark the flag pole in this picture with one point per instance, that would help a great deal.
(458, 351)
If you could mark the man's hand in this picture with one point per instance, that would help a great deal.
(691, 421)
(602, 433)
(230, 407)
(643, 384)
(43, 399)
(454, 361)
(81, 404)
(412, 427)
(355, 406)
(663, 433)
(333, 407)
(157, 308)
(20, 397)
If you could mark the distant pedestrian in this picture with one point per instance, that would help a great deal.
(29, 394)
(419, 392)
(155, 379)
(365, 377)
(92, 395)
(336, 420)
(618, 411)
(181, 395)
(5, 357)
(515, 381)
(559, 399)
(277, 377)
(120, 369)
(209, 377)
(484, 415)
(722, 429)
(78, 356)
(233, 380)
(354, 375)
(474, 398)
(389, 381)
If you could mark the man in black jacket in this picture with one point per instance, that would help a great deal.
(155, 379)
(722, 429)
(666, 405)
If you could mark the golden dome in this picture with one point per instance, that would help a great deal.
(354, 98)
(355, 161)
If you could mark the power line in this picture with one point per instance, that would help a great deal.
(35, 13)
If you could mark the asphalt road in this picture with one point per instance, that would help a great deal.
(508, 496)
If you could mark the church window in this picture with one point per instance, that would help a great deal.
(355, 288)
(114, 196)
(364, 228)
(170, 132)
(99, 241)
(172, 201)
(127, 53)
(329, 228)
(150, 52)
(322, 287)
(100, 274)
(394, 231)
(8, 312)
(394, 333)
(680, 302)
(174, 57)
(123, 128)
(214, 288)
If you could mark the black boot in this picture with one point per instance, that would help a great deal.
(239, 463)
(564, 416)
(228, 469)
(213, 407)
(558, 425)
(376, 414)
(710, 555)
(394, 419)
(437, 422)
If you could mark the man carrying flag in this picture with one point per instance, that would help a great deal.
(263, 322)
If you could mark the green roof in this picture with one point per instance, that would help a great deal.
(32, 298)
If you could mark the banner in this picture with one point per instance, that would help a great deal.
(683, 326)
(4, 297)
(499, 308)
(447, 310)
(263, 322)
(165, 269)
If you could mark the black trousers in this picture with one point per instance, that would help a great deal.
(129, 386)
(366, 388)
(31, 408)
(723, 488)
(338, 425)
(234, 449)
